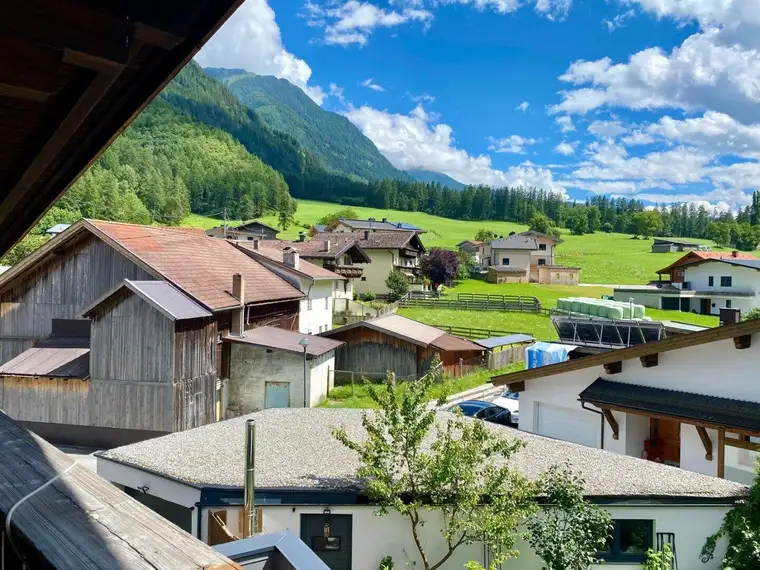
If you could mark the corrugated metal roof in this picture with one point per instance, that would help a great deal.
(167, 299)
(749, 263)
(405, 328)
(60, 357)
(495, 341)
(451, 343)
(281, 339)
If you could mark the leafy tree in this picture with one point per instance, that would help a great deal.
(286, 211)
(752, 314)
(484, 235)
(540, 223)
(466, 265)
(594, 218)
(647, 223)
(577, 221)
(660, 560)
(398, 285)
(23, 248)
(440, 266)
(329, 219)
(607, 227)
(741, 527)
(569, 531)
(745, 236)
(454, 470)
(720, 233)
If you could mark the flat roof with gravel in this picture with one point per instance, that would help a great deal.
(295, 449)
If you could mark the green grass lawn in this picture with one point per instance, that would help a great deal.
(537, 325)
(345, 397)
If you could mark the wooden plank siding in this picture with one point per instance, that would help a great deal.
(48, 400)
(370, 351)
(59, 289)
(195, 373)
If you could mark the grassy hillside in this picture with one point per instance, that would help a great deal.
(603, 258)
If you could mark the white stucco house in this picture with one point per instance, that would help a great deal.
(691, 401)
(275, 368)
(525, 257)
(315, 312)
(306, 483)
(702, 282)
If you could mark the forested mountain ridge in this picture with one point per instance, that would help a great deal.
(331, 137)
(435, 177)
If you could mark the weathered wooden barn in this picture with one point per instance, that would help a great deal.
(152, 369)
(402, 345)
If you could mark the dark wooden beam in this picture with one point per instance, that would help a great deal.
(613, 367)
(517, 387)
(612, 421)
(721, 453)
(66, 128)
(706, 442)
(156, 37)
(733, 442)
(25, 93)
(649, 360)
(742, 342)
(91, 62)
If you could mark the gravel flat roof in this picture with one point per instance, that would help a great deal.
(295, 449)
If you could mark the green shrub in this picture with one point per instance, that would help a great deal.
(369, 296)
(386, 563)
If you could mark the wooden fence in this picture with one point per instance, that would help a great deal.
(473, 333)
(475, 302)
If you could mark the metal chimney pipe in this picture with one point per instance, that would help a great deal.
(248, 486)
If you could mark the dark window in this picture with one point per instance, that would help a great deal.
(710, 281)
(364, 278)
(505, 261)
(725, 281)
(631, 538)
(542, 262)
(728, 303)
(542, 247)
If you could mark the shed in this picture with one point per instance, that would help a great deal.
(507, 274)
(81, 520)
(504, 350)
(405, 346)
(267, 368)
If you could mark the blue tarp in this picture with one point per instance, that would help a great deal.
(544, 353)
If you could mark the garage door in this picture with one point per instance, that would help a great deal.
(577, 426)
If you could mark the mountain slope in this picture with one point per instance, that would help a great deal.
(329, 136)
(435, 177)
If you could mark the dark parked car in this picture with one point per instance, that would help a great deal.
(487, 411)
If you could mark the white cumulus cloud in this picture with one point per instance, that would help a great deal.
(251, 40)
(417, 141)
(370, 84)
(565, 123)
(565, 148)
(607, 129)
(522, 106)
(514, 144)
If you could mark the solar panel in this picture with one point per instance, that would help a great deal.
(600, 332)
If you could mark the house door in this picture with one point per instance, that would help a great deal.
(329, 536)
(704, 306)
(276, 395)
(669, 434)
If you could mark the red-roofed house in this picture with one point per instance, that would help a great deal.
(702, 282)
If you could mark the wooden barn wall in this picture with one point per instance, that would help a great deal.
(283, 315)
(132, 342)
(368, 351)
(59, 289)
(195, 373)
(47, 400)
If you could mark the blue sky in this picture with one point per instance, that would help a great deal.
(653, 99)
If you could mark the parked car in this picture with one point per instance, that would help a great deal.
(510, 401)
(487, 411)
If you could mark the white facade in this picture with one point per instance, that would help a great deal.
(549, 405)
(374, 537)
(743, 280)
(254, 370)
(375, 273)
(315, 313)
(520, 258)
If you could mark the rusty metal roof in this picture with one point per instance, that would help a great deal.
(199, 265)
(451, 343)
(59, 357)
(281, 339)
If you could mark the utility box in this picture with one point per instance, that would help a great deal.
(730, 316)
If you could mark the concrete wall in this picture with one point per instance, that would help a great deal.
(647, 298)
(375, 273)
(517, 257)
(251, 367)
(315, 313)
(691, 369)
(553, 277)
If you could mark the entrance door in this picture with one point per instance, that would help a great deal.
(704, 306)
(276, 395)
(329, 536)
(669, 434)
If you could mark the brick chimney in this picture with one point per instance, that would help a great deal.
(734, 253)
(291, 258)
(238, 314)
(366, 234)
(256, 244)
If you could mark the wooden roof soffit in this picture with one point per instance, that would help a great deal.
(517, 386)
(649, 360)
(613, 367)
(706, 442)
(607, 413)
(742, 342)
